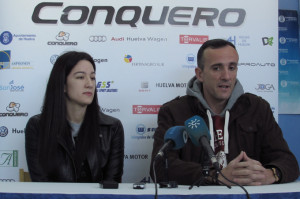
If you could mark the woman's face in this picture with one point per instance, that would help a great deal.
(80, 84)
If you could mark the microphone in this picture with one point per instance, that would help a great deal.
(199, 135)
(175, 138)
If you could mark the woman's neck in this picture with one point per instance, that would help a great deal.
(76, 114)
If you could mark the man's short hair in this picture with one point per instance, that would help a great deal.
(214, 44)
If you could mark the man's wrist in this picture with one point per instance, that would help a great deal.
(276, 174)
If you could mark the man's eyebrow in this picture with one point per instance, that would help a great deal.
(221, 64)
(216, 64)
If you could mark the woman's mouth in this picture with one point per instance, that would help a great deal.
(88, 93)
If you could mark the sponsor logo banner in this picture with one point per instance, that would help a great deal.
(145, 109)
(9, 158)
(192, 39)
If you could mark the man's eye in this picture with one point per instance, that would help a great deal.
(232, 68)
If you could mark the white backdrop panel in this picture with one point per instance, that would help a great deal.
(158, 72)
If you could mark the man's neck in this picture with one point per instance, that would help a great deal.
(216, 106)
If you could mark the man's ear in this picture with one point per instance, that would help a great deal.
(199, 74)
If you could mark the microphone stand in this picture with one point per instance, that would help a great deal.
(167, 183)
(205, 173)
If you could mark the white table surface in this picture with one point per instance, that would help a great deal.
(126, 189)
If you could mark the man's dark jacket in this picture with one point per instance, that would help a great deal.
(252, 128)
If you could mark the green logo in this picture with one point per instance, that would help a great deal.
(267, 41)
(9, 158)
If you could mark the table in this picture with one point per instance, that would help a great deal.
(35, 190)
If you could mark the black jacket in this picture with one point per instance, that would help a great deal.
(252, 128)
(107, 164)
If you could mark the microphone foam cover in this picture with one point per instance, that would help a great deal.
(178, 135)
(196, 128)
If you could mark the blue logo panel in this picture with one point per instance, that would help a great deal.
(5, 59)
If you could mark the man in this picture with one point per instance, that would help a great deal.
(246, 139)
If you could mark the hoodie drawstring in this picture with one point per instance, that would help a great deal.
(211, 131)
(226, 134)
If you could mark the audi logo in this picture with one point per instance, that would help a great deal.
(99, 38)
(7, 180)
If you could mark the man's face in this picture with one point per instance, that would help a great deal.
(219, 74)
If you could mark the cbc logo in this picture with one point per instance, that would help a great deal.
(98, 38)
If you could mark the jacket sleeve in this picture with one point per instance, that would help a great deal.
(182, 168)
(114, 168)
(275, 150)
(31, 150)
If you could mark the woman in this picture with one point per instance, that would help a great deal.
(72, 140)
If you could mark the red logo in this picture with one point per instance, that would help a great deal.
(192, 39)
(145, 109)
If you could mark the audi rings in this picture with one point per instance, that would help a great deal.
(7, 180)
(98, 38)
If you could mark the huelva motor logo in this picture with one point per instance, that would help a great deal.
(9, 158)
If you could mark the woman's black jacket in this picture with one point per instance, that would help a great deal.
(106, 164)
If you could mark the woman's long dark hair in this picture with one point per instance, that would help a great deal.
(54, 124)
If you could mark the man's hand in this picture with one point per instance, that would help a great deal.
(246, 171)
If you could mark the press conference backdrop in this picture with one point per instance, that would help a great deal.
(145, 53)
